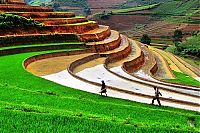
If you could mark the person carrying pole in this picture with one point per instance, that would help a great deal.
(156, 97)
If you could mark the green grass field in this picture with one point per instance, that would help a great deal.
(32, 104)
(139, 8)
(178, 7)
(184, 79)
(178, 11)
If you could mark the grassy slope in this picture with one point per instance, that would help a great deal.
(189, 49)
(181, 77)
(29, 103)
(184, 79)
(126, 10)
(130, 3)
(177, 7)
(139, 8)
(184, 9)
(190, 46)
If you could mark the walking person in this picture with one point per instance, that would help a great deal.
(156, 97)
(103, 88)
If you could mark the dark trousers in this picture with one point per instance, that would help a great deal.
(156, 98)
(103, 91)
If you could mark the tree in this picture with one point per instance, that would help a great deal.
(178, 35)
(145, 39)
(190, 46)
(87, 11)
(43, 4)
(56, 5)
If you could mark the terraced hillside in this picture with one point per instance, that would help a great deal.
(159, 22)
(50, 79)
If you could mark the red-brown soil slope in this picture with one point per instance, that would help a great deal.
(137, 24)
(104, 3)
(126, 23)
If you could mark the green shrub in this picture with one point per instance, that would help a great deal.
(190, 47)
(183, 78)
(178, 35)
(10, 21)
(145, 39)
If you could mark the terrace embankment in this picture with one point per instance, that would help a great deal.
(39, 47)
(43, 15)
(18, 2)
(23, 8)
(164, 71)
(53, 65)
(61, 21)
(136, 61)
(110, 43)
(77, 28)
(177, 65)
(96, 35)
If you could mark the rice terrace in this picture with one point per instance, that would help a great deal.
(100, 66)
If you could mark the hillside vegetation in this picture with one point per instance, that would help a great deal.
(14, 21)
(191, 46)
(133, 3)
(138, 8)
(183, 78)
(82, 3)
(178, 7)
